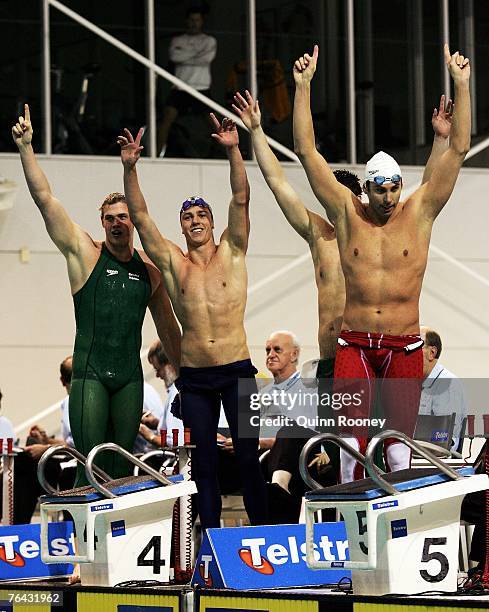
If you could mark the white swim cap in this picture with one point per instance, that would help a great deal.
(382, 164)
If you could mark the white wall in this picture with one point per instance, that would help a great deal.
(36, 311)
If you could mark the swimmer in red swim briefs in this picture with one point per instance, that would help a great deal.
(383, 248)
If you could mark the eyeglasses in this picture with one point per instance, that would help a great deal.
(380, 180)
(194, 202)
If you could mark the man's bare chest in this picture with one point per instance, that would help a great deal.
(394, 245)
(217, 283)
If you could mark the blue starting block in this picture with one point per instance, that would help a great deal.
(402, 527)
(123, 526)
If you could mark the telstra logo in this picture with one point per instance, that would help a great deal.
(28, 549)
(204, 571)
(293, 552)
(263, 567)
(16, 561)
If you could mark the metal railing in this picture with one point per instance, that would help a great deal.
(153, 68)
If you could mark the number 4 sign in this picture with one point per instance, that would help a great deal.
(156, 562)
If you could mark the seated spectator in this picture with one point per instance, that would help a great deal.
(153, 409)
(151, 427)
(26, 485)
(38, 441)
(228, 473)
(442, 392)
(282, 464)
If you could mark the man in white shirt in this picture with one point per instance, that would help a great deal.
(442, 392)
(153, 408)
(192, 53)
(38, 441)
(164, 370)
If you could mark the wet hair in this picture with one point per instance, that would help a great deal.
(65, 370)
(156, 352)
(350, 180)
(112, 198)
(433, 339)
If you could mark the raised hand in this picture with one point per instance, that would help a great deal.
(458, 65)
(22, 131)
(130, 148)
(442, 118)
(226, 133)
(305, 67)
(247, 109)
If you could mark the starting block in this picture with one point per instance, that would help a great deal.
(123, 526)
(402, 527)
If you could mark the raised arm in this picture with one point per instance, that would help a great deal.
(238, 229)
(158, 248)
(438, 189)
(63, 232)
(441, 122)
(294, 210)
(331, 194)
(166, 324)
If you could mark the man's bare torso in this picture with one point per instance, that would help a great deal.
(384, 268)
(209, 302)
(331, 287)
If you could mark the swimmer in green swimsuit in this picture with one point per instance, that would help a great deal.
(112, 284)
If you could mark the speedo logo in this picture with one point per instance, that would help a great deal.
(372, 172)
(263, 561)
(112, 272)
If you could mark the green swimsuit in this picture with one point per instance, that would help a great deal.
(106, 396)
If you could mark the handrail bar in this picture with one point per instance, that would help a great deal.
(62, 450)
(89, 467)
(399, 435)
(163, 73)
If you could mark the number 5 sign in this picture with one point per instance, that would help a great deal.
(405, 543)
